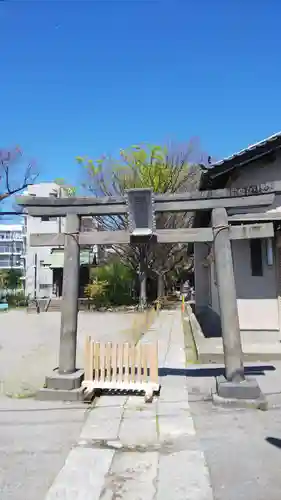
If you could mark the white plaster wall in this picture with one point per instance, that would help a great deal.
(256, 295)
(260, 172)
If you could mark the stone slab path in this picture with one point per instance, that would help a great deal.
(135, 451)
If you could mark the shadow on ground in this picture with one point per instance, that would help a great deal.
(211, 371)
(274, 441)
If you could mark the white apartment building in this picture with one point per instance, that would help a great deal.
(12, 247)
(44, 266)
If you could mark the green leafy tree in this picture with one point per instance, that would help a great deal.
(13, 279)
(119, 279)
(3, 279)
(164, 170)
(96, 291)
(66, 189)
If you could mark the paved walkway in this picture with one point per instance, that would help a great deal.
(135, 451)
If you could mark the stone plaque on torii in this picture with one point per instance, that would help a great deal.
(140, 205)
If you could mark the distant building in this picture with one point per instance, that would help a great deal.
(44, 266)
(12, 247)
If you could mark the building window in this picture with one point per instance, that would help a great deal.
(46, 218)
(256, 257)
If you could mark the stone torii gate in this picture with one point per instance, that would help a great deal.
(141, 205)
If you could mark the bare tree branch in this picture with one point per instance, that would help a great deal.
(14, 177)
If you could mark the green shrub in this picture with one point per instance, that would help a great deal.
(16, 300)
(117, 282)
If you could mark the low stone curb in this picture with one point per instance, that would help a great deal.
(191, 330)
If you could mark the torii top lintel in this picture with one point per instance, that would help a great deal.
(250, 196)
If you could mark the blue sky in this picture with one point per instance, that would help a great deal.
(90, 77)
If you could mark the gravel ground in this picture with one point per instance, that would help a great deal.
(35, 436)
(29, 344)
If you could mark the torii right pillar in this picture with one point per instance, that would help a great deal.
(233, 389)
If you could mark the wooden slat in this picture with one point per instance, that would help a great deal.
(114, 361)
(104, 363)
(88, 344)
(91, 360)
(97, 360)
(120, 362)
(138, 361)
(154, 362)
(132, 363)
(126, 361)
(108, 361)
(144, 362)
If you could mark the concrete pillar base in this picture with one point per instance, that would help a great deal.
(60, 395)
(244, 394)
(62, 387)
(64, 381)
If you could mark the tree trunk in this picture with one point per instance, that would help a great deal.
(160, 286)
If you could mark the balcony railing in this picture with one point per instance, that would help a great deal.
(11, 236)
(10, 251)
(5, 265)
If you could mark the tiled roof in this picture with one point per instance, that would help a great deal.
(223, 167)
(253, 148)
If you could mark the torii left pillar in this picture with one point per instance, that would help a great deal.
(65, 382)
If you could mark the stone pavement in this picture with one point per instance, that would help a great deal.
(135, 451)
(35, 439)
(242, 447)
